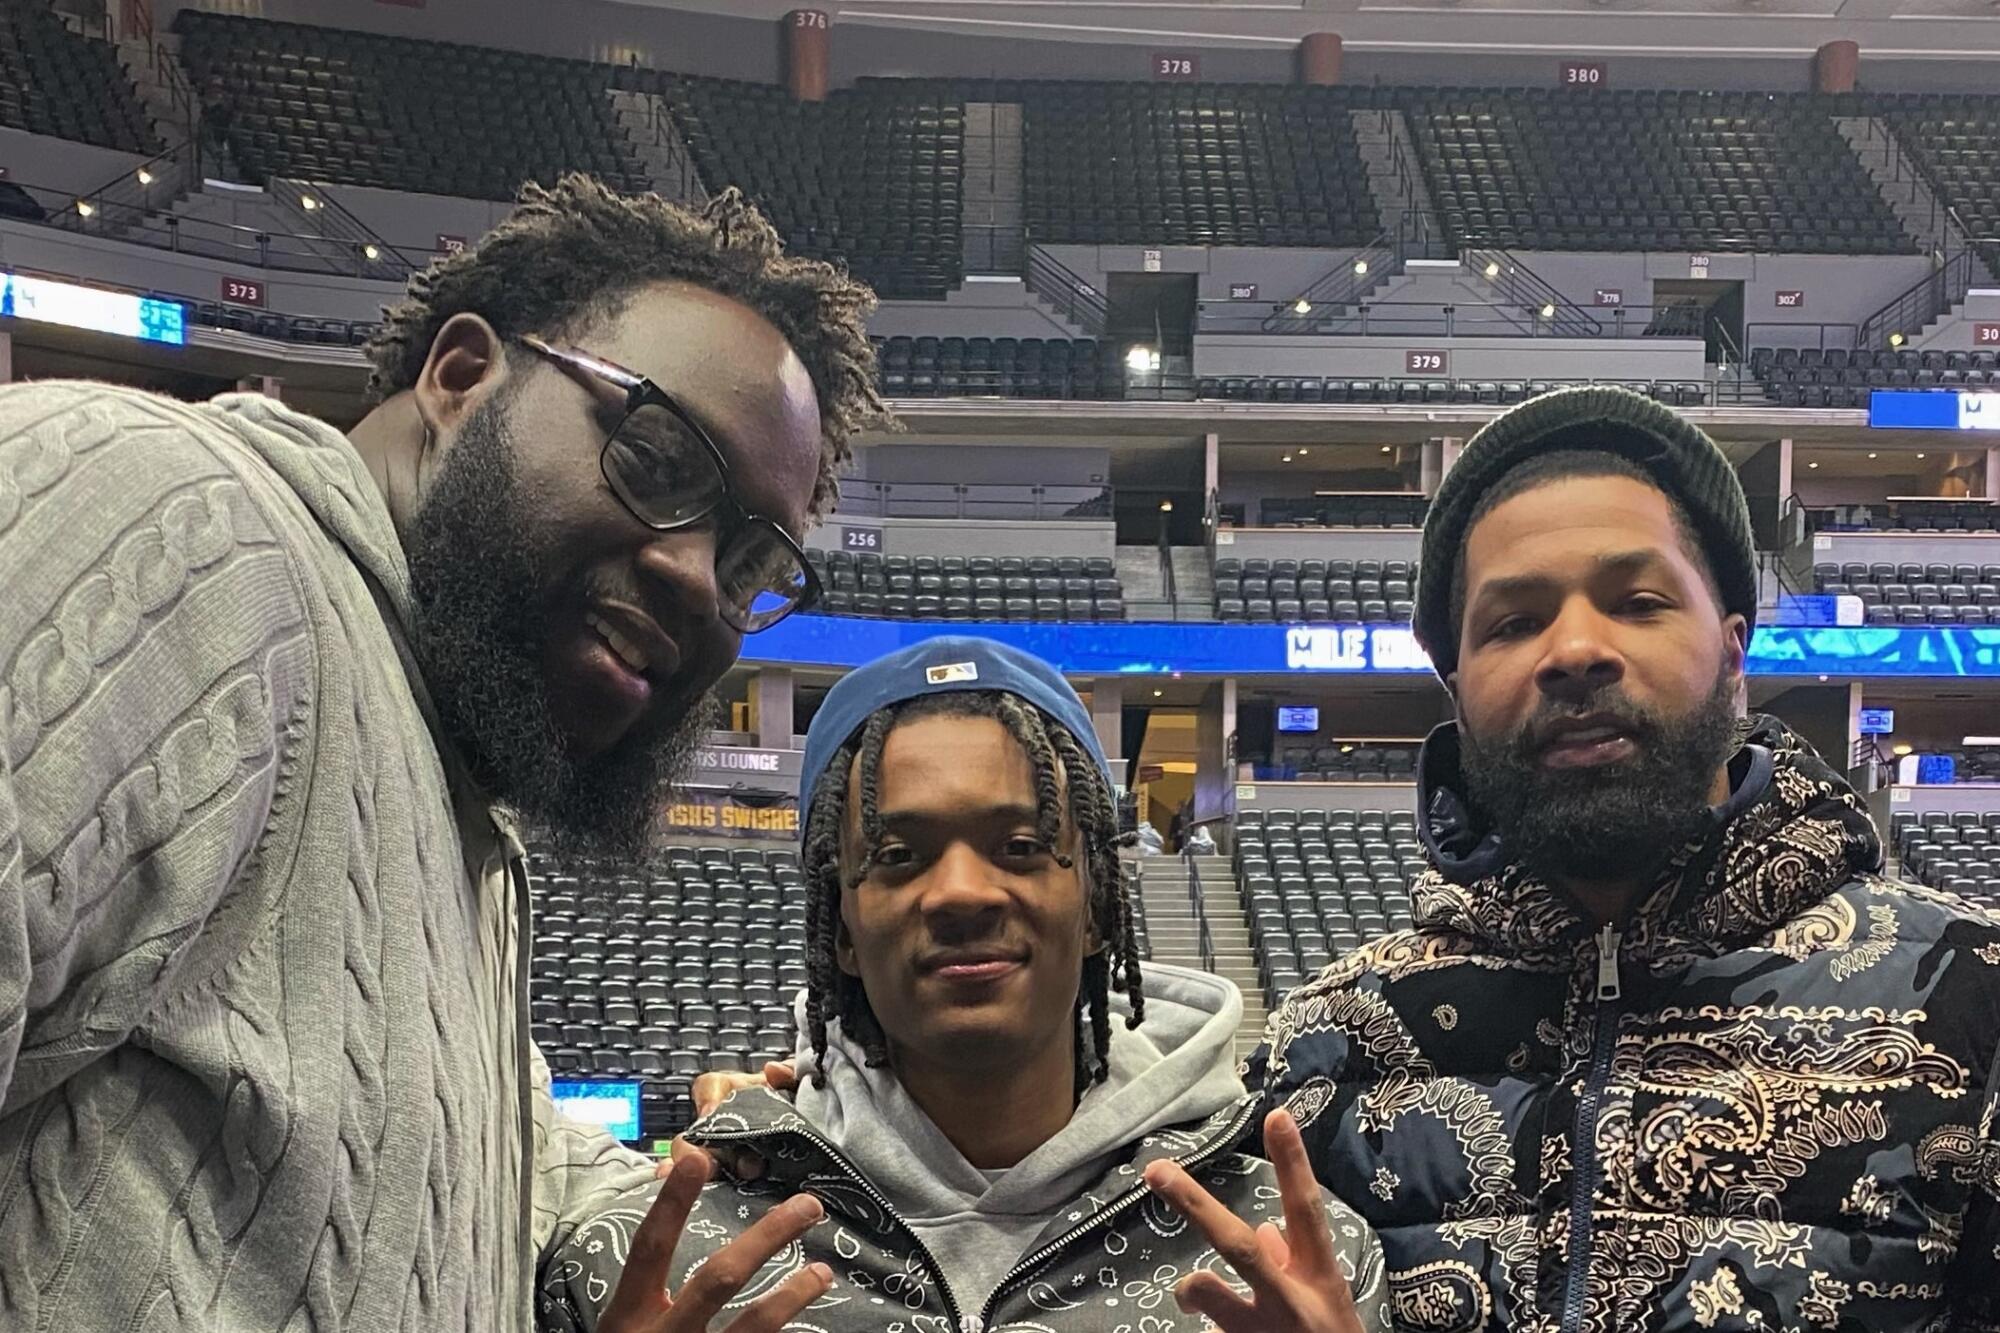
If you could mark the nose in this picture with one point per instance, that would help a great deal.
(678, 569)
(961, 900)
(1581, 659)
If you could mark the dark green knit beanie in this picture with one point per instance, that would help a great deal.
(1685, 463)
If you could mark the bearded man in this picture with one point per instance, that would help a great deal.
(1663, 1051)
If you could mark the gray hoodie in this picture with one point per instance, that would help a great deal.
(1177, 1067)
(1068, 1241)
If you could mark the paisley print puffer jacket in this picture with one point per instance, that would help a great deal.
(1767, 1103)
(1109, 1266)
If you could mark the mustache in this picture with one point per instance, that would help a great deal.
(1537, 733)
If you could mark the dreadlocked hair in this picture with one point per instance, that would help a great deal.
(573, 253)
(1060, 765)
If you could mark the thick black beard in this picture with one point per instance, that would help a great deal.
(1611, 823)
(474, 577)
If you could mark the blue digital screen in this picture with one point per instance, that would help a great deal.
(1936, 770)
(78, 307)
(1893, 409)
(1877, 721)
(1299, 719)
(610, 1104)
(1108, 648)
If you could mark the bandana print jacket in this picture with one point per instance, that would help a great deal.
(1108, 1266)
(1766, 1103)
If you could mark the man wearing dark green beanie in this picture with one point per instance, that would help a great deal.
(1663, 1050)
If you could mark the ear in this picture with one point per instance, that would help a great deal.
(1735, 643)
(466, 365)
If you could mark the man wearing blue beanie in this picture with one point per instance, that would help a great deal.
(986, 1146)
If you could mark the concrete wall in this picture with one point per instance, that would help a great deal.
(1819, 714)
(1469, 358)
(37, 161)
(1279, 272)
(983, 465)
(980, 308)
(413, 222)
(1838, 289)
(936, 536)
(1324, 544)
(1924, 549)
(1981, 306)
(122, 264)
(1389, 796)
(1955, 799)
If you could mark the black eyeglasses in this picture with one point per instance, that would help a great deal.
(667, 470)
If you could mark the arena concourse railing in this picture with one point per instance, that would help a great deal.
(1462, 319)
(991, 500)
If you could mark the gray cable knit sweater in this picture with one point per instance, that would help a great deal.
(264, 1060)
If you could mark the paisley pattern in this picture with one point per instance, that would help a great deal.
(1794, 1127)
(1115, 1268)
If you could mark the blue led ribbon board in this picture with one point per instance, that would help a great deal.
(1110, 648)
(1893, 409)
(50, 302)
(610, 1104)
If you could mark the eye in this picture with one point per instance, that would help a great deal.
(1022, 847)
(893, 856)
(1643, 604)
(1513, 627)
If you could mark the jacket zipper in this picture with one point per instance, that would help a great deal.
(1111, 1212)
(874, 1196)
(1026, 1268)
(1589, 1171)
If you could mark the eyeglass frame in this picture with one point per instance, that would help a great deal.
(640, 391)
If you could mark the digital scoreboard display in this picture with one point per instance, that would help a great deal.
(48, 301)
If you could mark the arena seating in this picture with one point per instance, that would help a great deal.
(1343, 511)
(1959, 853)
(627, 981)
(1320, 760)
(1314, 883)
(286, 328)
(1838, 377)
(870, 175)
(1315, 591)
(1550, 169)
(1908, 516)
(1913, 594)
(1203, 164)
(929, 587)
(330, 105)
(1956, 143)
(1317, 389)
(1006, 367)
(54, 81)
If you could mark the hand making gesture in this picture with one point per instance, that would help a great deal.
(1296, 1282)
(642, 1303)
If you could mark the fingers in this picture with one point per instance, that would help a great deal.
(1306, 1229)
(712, 1285)
(641, 1291)
(1206, 1294)
(774, 1309)
(781, 1077)
(713, 1089)
(1231, 1236)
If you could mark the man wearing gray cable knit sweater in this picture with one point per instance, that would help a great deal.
(274, 703)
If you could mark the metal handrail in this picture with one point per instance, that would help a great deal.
(1204, 939)
(160, 176)
(346, 232)
(1339, 287)
(1923, 301)
(1448, 319)
(1064, 288)
(163, 230)
(881, 499)
(1167, 581)
(1524, 287)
